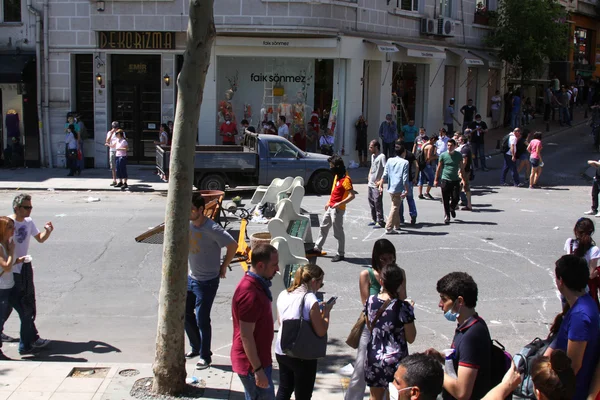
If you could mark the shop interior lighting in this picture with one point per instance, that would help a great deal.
(167, 79)
(99, 79)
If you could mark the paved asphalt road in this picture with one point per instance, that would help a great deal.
(98, 288)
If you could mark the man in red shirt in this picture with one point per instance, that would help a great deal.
(228, 130)
(253, 325)
(300, 139)
(342, 193)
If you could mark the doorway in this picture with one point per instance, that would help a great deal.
(136, 103)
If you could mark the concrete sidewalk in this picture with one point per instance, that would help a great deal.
(141, 179)
(24, 380)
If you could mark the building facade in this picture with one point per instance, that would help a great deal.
(328, 59)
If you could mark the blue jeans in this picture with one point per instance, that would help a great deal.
(16, 301)
(253, 392)
(515, 119)
(478, 154)
(410, 199)
(122, 168)
(509, 164)
(426, 175)
(200, 298)
(564, 116)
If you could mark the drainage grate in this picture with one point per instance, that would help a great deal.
(83, 372)
(129, 372)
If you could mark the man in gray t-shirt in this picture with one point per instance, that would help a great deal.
(375, 173)
(204, 260)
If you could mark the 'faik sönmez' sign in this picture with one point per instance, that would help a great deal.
(276, 78)
(136, 40)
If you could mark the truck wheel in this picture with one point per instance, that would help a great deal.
(212, 182)
(321, 182)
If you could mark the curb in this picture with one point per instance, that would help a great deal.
(84, 190)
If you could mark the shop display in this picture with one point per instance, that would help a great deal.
(226, 107)
(285, 109)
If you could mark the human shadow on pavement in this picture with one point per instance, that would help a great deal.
(460, 221)
(553, 188)
(490, 210)
(357, 260)
(424, 233)
(59, 350)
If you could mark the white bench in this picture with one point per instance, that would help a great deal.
(295, 194)
(291, 226)
(290, 264)
(276, 186)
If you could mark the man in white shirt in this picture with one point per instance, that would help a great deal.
(375, 174)
(111, 141)
(510, 159)
(23, 274)
(283, 130)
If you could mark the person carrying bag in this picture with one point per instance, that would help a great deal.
(302, 338)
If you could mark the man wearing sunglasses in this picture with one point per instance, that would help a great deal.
(23, 273)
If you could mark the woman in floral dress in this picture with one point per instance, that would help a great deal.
(390, 333)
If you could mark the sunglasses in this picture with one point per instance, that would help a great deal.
(27, 207)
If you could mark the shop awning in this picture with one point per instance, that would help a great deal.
(383, 46)
(12, 65)
(467, 57)
(491, 59)
(421, 51)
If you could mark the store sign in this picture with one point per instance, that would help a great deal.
(425, 54)
(136, 40)
(276, 78)
(473, 61)
(387, 49)
(495, 64)
(276, 43)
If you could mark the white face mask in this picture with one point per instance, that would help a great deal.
(228, 122)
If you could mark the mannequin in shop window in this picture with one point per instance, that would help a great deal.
(285, 109)
(12, 124)
(299, 109)
(226, 107)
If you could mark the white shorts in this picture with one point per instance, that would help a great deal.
(112, 159)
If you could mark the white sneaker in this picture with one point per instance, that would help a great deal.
(202, 364)
(598, 215)
(591, 212)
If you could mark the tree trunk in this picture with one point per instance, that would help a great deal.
(169, 361)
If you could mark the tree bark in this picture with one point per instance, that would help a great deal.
(169, 361)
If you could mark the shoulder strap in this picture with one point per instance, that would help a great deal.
(571, 246)
(371, 325)
(302, 307)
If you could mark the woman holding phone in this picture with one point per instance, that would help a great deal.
(295, 375)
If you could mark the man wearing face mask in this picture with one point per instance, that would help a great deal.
(419, 377)
(228, 131)
(470, 377)
(342, 193)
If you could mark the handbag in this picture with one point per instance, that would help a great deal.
(354, 337)
(299, 340)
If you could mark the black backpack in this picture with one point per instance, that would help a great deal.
(524, 360)
(500, 363)
(421, 158)
(504, 147)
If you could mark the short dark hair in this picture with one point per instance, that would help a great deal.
(424, 372)
(337, 161)
(469, 100)
(376, 144)
(399, 149)
(262, 253)
(244, 121)
(477, 115)
(573, 271)
(457, 284)
(252, 129)
(434, 137)
(537, 135)
(392, 278)
(198, 200)
(452, 142)
(282, 118)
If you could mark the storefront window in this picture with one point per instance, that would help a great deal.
(581, 42)
(262, 89)
(472, 84)
(493, 85)
(404, 92)
(449, 85)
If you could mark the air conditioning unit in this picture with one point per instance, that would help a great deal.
(428, 26)
(445, 27)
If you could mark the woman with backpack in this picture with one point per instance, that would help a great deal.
(384, 253)
(390, 322)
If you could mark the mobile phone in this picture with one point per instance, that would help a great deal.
(332, 300)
